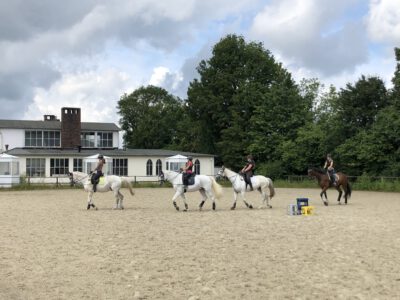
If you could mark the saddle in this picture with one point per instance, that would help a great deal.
(98, 180)
(188, 179)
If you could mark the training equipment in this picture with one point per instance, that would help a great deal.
(300, 203)
(292, 210)
(307, 210)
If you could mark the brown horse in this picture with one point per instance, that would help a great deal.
(342, 184)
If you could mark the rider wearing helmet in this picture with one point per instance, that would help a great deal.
(187, 171)
(248, 171)
(98, 171)
(329, 166)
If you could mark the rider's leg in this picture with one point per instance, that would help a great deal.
(249, 181)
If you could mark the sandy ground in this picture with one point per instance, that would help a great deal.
(51, 247)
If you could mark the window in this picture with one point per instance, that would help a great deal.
(51, 139)
(197, 167)
(35, 167)
(59, 166)
(5, 168)
(104, 139)
(120, 166)
(33, 138)
(78, 164)
(37, 138)
(166, 165)
(87, 139)
(158, 167)
(149, 168)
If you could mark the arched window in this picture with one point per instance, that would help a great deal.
(149, 168)
(197, 166)
(158, 167)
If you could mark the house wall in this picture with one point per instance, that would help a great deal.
(14, 138)
(136, 166)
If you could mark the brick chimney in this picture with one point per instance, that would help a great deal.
(70, 127)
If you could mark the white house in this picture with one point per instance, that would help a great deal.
(53, 147)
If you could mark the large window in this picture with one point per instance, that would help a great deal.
(35, 167)
(51, 139)
(87, 139)
(158, 167)
(149, 168)
(59, 166)
(197, 166)
(120, 166)
(78, 164)
(38, 138)
(104, 139)
(33, 138)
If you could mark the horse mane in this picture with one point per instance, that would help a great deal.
(318, 170)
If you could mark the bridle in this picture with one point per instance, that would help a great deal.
(73, 181)
(228, 177)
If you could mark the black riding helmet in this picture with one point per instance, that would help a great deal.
(100, 156)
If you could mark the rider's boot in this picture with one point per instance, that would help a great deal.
(251, 187)
(94, 187)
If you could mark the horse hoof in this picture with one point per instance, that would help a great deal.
(251, 206)
(339, 203)
(270, 206)
(232, 208)
(326, 203)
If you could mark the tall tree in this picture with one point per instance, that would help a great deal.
(150, 118)
(233, 84)
(358, 105)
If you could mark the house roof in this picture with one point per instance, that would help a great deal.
(55, 152)
(55, 125)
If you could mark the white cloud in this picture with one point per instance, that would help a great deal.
(308, 32)
(97, 93)
(383, 21)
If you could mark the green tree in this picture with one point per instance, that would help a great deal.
(234, 83)
(375, 151)
(150, 117)
(357, 106)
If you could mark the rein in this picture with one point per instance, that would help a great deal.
(80, 180)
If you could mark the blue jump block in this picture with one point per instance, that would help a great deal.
(301, 202)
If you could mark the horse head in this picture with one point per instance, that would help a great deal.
(221, 172)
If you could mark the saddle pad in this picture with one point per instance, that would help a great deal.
(102, 180)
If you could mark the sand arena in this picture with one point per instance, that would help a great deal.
(53, 248)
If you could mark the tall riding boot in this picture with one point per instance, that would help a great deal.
(94, 187)
(251, 186)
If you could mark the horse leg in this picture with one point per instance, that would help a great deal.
(121, 199)
(340, 194)
(117, 203)
(265, 198)
(174, 199)
(89, 202)
(184, 201)
(326, 197)
(212, 198)
(234, 200)
(242, 193)
(203, 198)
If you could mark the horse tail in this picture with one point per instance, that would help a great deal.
(271, 188)
(216, 187)
(348, 190)
(127, 181)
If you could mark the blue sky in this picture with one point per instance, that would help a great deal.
(88, 53)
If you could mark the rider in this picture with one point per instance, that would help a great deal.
(248, 171)
(329, 166)
(187, 171)
(98, 171)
